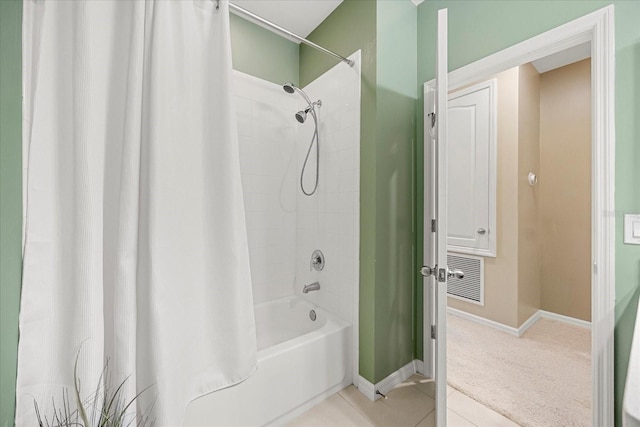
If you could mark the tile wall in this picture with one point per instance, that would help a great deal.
(266, 132)
(330, 219)
(284, 226)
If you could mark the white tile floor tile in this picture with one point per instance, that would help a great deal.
(429, 420)
(335, 411)
(455, 420)
(390, 411)
(409, 404)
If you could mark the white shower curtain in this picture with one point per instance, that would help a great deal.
(135, 245)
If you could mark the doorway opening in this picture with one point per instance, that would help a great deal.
(518, 332)
(597, 30)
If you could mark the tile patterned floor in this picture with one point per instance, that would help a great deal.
(409, 404)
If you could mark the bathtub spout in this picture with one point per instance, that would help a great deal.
(312, 287)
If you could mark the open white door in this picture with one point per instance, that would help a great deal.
(435, 269)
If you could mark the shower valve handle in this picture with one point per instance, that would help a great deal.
(317, 260)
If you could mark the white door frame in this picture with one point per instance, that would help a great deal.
(597, 28)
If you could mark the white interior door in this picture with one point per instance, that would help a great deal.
(435, 269)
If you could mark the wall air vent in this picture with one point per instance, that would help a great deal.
(471, 288)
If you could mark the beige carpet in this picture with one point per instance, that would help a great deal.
(540, 379)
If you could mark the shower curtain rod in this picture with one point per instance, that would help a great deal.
(242, 11)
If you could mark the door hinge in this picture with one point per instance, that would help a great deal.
(433, 332)
(434, 225)
(433, 118)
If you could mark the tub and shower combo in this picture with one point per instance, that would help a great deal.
(300, 176)
(137, 245)
(300, 361)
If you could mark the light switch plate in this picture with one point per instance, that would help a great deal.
(632, 229)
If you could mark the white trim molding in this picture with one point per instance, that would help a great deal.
(386, 385)
(543, 314)
(566, 319)
(486, 322)
(598, 29)
(529, 323)
(367, 388)
(518, 332)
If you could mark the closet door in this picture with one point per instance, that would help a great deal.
(471, 170)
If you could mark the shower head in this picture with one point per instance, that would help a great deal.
(289, 87)
(301, 116)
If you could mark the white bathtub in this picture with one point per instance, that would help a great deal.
(300, 362)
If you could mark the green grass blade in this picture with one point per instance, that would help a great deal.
(76, 381)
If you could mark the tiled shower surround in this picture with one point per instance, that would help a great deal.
(330, 219)
(267, 136)
(284, 226)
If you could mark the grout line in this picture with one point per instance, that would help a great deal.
(423, 392)
(355, 407)
(425, 417)
(464, 418)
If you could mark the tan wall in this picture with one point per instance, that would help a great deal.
(543, 247)
(500, 292)
(528, 201)
(565, 190)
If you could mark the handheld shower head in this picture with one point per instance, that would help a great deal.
(301, 116)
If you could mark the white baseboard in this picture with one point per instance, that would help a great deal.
(366, 388)
(543, 314)
(526, 325)
(529, 323)
(417, 366)
(481, 320)
(387, 384)
(565, 319)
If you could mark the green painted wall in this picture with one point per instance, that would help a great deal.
(395, 139)
(10, 199)
(350, 27)
(480, 28)
(261, 53)
(386, 32)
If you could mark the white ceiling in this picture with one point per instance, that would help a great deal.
(565, 57)
(298, 16)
